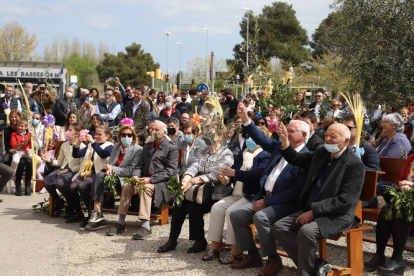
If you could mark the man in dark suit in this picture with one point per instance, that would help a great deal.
(328, 201)
(138, 110)
(281, 185)
(315, 141)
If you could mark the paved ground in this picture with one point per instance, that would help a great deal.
(35, 244)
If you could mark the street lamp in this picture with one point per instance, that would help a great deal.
(179, 73)
(167, 34)
(247, 37)
(206, 29)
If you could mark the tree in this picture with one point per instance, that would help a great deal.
(15, 43)
(321, 41)
(130, 67)
(81, 67)
(375, 40)
(197, 67)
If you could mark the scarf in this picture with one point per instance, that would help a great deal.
(248, 158)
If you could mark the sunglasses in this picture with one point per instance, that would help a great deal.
(129, 135)
(261, 123)
(336, 105)
(318, 96)
(108, 95)
(350, 128)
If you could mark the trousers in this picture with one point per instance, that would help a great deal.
(145, 200)
(6, 173)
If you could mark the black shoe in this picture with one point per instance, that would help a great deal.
(19, 191)
(167, 247)
(391, 268)
(376, 261)
(68, 213)
(58, 208)
(198, 246)
(75, 218)
(95, 226)
(117, 229)
(27, 191)
(84, 223)
(322, 267)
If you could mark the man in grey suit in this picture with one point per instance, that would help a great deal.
(328, 201)
(191, 145)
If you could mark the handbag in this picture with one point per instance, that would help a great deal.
(200, 194)
(7, 157)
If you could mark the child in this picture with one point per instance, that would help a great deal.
(97, 151)
(50, 153)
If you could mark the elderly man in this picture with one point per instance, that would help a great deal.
(108, 110)
(159, 161)
(185, 118)
(328, 201)
(43, 99)
(138, 110)
(281, 185)
(174, 132)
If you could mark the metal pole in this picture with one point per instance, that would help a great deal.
(206, 29)
(212, 71)
(247, 42)
(179, 73)
(152, 83)
(167, 34)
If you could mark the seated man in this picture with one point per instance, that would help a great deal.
(159, 161)
(328, 201)
(281, 185)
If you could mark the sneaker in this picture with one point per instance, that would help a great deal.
(84, 223)
(96, 226)
(142, 234)
(96, 217)
(75, 218)
(117, 229)
(43, 191)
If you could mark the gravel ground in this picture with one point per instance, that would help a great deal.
(35, 244)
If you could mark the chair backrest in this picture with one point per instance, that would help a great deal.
(180, 156)
(392, 168)
(369, 189)
(58, 144)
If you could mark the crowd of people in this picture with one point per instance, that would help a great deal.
(298, 180)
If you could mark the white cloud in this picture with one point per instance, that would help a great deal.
(98, 21)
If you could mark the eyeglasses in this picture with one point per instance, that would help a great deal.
(108, 95)
(293, 131)
(350, 127)
(160, 96)
(334, 105)
(261, 123)
(318, 96)
(127, 90)
(129, 135)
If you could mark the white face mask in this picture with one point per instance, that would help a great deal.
(69, 94)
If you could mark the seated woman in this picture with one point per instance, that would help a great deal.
(204, 170)
(245, 175)
(68, 166)
(96, 121)
(397, 228)
(70, 119)
(94, 157)
(192, 145)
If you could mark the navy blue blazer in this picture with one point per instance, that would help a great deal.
(289, 184)
(251, 178)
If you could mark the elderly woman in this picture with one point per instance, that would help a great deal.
(245, 175)
(192, 145)
(335, 112)
(87, 109)
(169, 111)
(395, 141)
(204, 170)
(397, 228)
(173, 131)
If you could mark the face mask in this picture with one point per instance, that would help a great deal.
(8, 96)
(178, 99)
(188, 138)
(171, 130)
(69, 94)
(183, 100)
(251, 145)
(156, 136)
(52, 124)
(69, 134)
(126, 141)
(168, 104)
(16, 96)
(207, 141)
(35, 122)
(332, 147)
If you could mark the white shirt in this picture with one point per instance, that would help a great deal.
(274, 175)
(135, 107)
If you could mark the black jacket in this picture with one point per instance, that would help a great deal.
(60, 110)
(334, 208)
(314, 142)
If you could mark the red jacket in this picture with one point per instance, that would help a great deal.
(17, 139)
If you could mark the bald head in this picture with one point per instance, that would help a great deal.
(338, 134)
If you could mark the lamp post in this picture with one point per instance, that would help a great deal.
(179, 72)
(167, 34)
(247, 37)
(206, 29)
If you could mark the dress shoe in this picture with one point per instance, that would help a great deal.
(391, 268)
(376, 261)
(322, 268)
(248, 262)
(75, 218)
(198, 246)
(272, 267)
(168, 247)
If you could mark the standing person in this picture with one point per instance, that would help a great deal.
(95, 95)
(328, 201)
(183, 106)
(138, 110)
(154, 111)
(160, 103)
(64, 106)
(118, 99)
(169, 111)
(5, 174)
(108, 110)
(87, 110)
(231, 102)
(315, 106)
(129, 94)
(43, 99)
(192, 95)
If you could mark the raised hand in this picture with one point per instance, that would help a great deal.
(283, 135)
(242, 112)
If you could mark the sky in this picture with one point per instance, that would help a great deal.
(120, 23)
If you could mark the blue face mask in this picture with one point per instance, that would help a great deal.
(168, 104)
(188, 138)
(126, 141)
(35, 122)
(52, 124)
(332, 147)
(251, 145)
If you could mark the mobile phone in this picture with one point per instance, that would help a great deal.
(111, 79)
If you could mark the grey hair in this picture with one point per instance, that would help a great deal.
(395, 119)
(303, 127)
(164, 126)
(168, 98)
(83, 91)
(174, 121)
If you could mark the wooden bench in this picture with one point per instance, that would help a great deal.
(355, 263)
(392, 168)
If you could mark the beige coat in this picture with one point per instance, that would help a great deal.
(65, 157)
